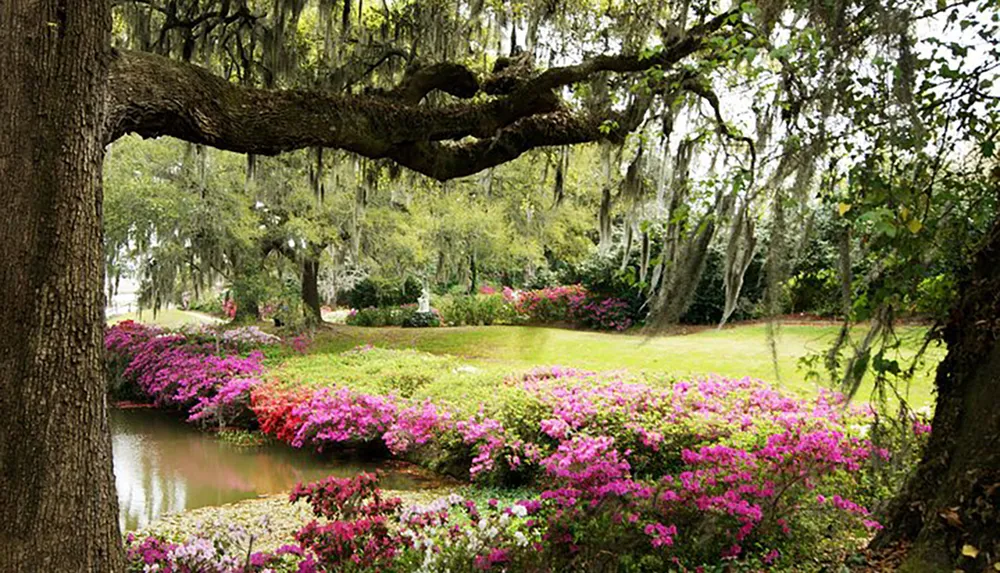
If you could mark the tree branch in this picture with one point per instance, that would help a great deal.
(153, 96)
(454, 79)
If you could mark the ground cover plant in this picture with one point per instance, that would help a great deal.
(696, 352)
(644, 472)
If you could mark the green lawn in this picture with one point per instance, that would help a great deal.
(735, 351)
(169, 317)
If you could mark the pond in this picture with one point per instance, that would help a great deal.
(163, 465)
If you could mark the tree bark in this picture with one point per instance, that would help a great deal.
(58, 509)
(156, 96)
(950, 508)
(310, 289)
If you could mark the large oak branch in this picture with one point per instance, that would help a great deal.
(153, 96)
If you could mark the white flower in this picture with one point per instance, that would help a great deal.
(520, 539)
(861, 429)
(519, 510)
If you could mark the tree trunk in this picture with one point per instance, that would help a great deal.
(58, 510)
(950, 508)
(310, 289)
(474, 273)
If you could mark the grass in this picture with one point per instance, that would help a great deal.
(734, 352)
(169, 317)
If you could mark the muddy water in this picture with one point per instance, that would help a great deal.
(163, 465)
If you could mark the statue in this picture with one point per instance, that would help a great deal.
(424, 302)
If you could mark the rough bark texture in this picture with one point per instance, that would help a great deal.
(155, 96)
(310, 289)
(953, 499)
(58, 510)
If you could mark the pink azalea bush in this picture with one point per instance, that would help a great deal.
(551, 304)
(758, 469)
(573, 304)
(199, 373)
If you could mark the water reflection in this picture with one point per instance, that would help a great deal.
(164, 466)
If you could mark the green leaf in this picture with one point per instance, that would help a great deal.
(987, 147)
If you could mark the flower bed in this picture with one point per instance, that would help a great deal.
(206, 374)
(654, 474)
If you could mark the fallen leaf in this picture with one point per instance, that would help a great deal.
(970, 551)
(950, 516)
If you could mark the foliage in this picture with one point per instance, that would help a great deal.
(572, 304)
(709, 296)
(422, 320)
(372, 292)
(381, 316)
(560, 305)
(548, 305)
(755, 464)
(471, 310)
(215, 548)
(198, 372)
(602, 275)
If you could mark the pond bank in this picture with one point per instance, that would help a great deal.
(164, 466)
(270, 516)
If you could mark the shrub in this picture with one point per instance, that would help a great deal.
(573, 304)
(485, 309)
(554, 304)
(604, 314)
(120, 342)
(356, 534)
(206, 374)
(214, 548)
(380, 316)
(378, 292)
(422, 320)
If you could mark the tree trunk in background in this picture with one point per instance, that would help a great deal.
(474, 273)
(58, 510)
(310, 289)
(953, 499)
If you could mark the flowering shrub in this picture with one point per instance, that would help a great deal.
(215, 548)
(197, 372)
(229, 308)
(248, 336)
(709, 469)
(356, 534)
(552, 304)
(604, 314)
(120, 341)
(565, 304)
(229, 406)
